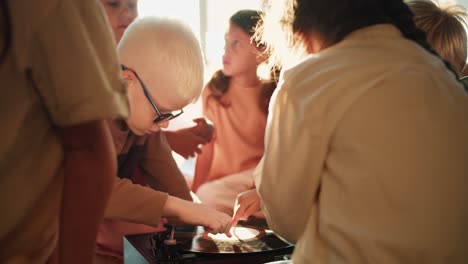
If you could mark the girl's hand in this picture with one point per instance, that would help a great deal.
(247, 203)
(203, 129)
(187, 141)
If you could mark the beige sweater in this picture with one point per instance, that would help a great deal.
(366, 155)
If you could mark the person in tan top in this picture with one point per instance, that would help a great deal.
(236, 101)
(365, 150)
(60, 82)
(162, 64)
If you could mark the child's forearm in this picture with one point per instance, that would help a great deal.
(89, 168)
(174, 207)
(203, 165)
(144, 207)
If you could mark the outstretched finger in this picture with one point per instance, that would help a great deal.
(227, 229)
(253, 208)
(239, 212)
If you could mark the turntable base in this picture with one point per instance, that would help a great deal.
(195, 246)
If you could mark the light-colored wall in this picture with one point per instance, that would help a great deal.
(463, 3)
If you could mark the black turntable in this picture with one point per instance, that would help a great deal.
(252, 242)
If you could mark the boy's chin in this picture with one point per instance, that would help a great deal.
(136, 131)
(150, 132)
(142, 130)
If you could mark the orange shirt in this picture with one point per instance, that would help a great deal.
(238, 141)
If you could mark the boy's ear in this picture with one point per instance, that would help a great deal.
(128, 76)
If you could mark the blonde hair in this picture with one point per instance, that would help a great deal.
(166, 55)
(445, 31)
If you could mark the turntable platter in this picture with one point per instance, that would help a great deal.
(238, 234)
(244, 240)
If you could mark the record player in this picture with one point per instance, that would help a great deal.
(251, 242)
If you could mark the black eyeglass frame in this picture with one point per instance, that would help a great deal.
(161, 117)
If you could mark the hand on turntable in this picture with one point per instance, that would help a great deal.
(247, 203)
(198, 214)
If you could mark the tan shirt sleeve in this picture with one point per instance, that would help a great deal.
(159, 169)
(135, 203)
(75, 66)
(287, 161)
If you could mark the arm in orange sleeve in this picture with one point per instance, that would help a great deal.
(138, 204)
(135, 203)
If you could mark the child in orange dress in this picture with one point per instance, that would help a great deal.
(236, 101)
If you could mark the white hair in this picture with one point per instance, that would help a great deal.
(166, 56)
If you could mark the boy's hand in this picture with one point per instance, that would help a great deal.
(247, 203)
(198, 214)
(214, 221)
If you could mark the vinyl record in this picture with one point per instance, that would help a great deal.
(243, 240)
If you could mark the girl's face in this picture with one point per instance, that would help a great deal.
(142, 113)
(240, 54)
(120, 14)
